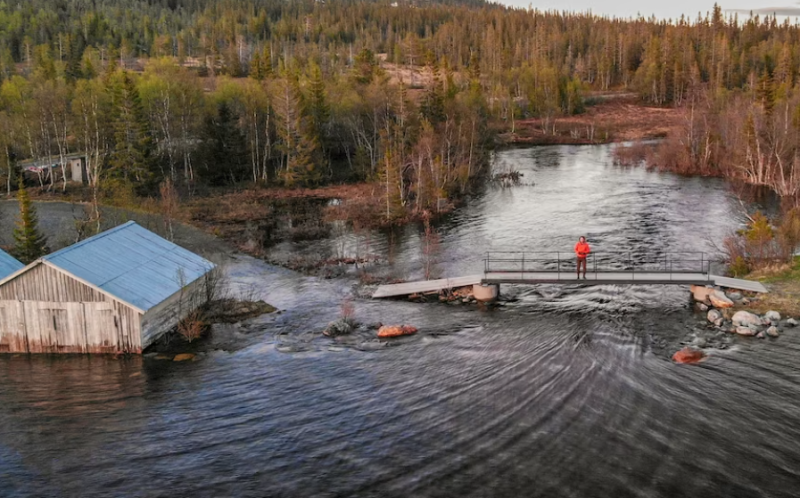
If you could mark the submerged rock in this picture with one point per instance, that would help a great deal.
(772, 316)
(773, 331)
(746, 331)
(183, 357)
(720, 300)
(688, 355)
(342, 326)
(713, 316)
(396, 331)
(746, 318)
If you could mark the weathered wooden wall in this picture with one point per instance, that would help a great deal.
(46, 311)
(167, 314)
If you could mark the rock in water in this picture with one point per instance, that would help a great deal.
(396, 331)
(720, 300)
(747, 331)
(735, 296)
(183, 357)
(702, 307)
(713, 316)
(773, 331)
(791, 322)
(746, 318)
(761, 335)
(773, 316)
(701, 293)
(688, 355)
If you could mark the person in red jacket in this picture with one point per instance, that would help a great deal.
(582, 250)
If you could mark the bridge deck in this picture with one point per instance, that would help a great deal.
(599, 278)
(408, 288)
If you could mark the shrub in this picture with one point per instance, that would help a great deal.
(192, 327)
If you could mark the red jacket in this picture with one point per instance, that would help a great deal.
(582, 249)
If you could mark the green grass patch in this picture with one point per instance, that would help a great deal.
(784, 273)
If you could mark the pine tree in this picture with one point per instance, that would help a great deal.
(225, 148)
(29, 243)
(432, 106)
(318, 109)
(131, 157)
(299, 145)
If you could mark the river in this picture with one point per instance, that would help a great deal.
(561, 392)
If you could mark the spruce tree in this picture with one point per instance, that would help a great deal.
(29, 243)
(318, 111)
(131, 157)
(225, 147)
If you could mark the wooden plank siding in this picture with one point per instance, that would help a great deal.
(44, 310)
(45, 283)
(168, 313)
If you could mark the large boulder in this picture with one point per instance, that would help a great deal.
(773, 316)
(720, 300)
(713, 316)
(746, 318)
(688, 355)
(396, 331)
(701, 293)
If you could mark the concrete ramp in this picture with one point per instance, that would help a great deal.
(408, 288)
(739, 284)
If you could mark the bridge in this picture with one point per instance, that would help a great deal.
(521, 267)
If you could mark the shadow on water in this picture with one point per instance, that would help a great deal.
(562, 391)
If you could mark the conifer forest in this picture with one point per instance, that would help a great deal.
(409, 95)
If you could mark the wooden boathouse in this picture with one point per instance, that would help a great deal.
(8, 264)
(117, 291)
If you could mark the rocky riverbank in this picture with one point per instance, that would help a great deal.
(729, 314)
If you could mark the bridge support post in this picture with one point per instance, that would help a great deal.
(486, 293)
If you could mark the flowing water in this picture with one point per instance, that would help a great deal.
(561, 392)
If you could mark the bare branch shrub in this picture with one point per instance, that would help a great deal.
(430, 245)
(192, 326)
(170, 202)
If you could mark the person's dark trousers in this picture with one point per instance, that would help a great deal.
(582, 261)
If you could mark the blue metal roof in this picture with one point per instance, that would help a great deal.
(8, 264)
(132, 264)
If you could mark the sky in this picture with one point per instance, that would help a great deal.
(664, 9)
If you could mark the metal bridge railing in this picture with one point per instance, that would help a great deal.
(597, 262)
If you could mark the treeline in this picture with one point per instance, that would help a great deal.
(528, 55)
(301, 93)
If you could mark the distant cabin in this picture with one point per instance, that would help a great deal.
(74, 165)
(117, 291)
(8, 265)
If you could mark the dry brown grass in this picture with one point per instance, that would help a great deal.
(783, 281)
(621, 119)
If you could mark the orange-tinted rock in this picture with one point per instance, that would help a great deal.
(688, 355)
(720, 300)
(396, 331)
(183, 357)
